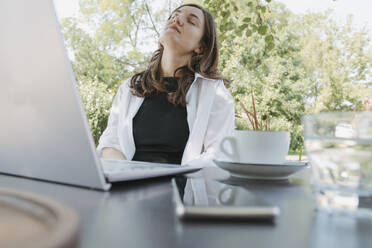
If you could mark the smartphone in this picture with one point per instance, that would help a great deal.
(198, 198)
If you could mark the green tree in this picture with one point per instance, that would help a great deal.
(90, 62)
(338, 62)
(97, 100)
(240, 18)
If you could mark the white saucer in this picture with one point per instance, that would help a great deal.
(262, 171)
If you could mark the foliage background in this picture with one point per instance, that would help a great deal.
(293, 64)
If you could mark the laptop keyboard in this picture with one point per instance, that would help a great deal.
(116, 166)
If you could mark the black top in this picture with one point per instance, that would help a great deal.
(160, 129)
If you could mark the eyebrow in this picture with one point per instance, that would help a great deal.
(191, 14)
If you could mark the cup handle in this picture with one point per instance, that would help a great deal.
(232, 141)
(231, 195)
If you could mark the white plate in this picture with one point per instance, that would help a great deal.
(262, 171)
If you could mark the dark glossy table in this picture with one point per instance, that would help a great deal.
(141, 214)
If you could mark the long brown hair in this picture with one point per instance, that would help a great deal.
(151, 80)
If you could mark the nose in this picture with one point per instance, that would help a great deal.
(179, 20)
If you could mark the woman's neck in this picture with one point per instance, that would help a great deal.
(170, 61)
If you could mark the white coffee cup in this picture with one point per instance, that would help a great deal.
(256, 147)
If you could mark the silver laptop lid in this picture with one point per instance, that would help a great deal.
(44, 133)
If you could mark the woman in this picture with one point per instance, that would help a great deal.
(178, 109)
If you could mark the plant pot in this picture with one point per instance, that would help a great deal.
(256, 147)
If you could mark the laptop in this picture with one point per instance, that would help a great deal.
(44, 132)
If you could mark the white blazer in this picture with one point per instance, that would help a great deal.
(210, 116)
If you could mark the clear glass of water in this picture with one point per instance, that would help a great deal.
(339, 147)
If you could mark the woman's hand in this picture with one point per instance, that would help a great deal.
(112, 153)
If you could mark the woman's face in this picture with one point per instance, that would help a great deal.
(184, 30)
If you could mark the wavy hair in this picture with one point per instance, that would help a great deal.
(151, 80)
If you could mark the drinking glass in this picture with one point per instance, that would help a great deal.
(339, 147)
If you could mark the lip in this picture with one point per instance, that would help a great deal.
(174, 27)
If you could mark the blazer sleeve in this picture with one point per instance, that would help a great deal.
(109, 137)
(221, 123)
